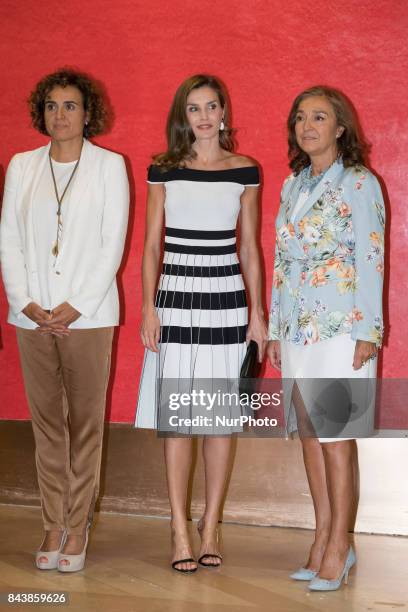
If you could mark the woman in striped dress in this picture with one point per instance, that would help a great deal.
(196, 328)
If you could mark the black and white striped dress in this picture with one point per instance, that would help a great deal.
(201, 301)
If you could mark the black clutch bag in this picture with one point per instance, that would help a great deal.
(250, 369)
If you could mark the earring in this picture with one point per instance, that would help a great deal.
(222, 125)
(86, 122)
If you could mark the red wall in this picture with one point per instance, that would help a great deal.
(266, 52)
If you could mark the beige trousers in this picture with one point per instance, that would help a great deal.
(65, 381)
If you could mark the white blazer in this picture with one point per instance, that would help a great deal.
(94, 235)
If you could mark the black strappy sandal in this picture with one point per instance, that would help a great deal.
(184, 571)
(200, 560)
(200, 527)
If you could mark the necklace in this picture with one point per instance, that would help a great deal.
(55, 248)
(308, 182)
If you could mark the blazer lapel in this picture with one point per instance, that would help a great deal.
(36, 171)
(291, 198)
(326, 182)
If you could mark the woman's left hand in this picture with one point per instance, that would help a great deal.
(363, 352)
(258, 331)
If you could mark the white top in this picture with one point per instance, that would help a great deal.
(303, 195)
(45, 225)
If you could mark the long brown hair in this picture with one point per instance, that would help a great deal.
(180, 136)
(351, 145)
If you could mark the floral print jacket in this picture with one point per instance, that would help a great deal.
(329, 263)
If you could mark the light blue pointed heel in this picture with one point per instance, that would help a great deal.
(320, 584)
(303, 574)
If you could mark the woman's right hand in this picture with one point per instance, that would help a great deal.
(150, 329)
(273, 350)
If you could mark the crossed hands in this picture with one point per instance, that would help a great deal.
(56, 322)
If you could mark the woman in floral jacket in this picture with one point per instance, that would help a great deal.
(326, 312)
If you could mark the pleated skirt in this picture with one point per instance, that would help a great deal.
(202, 308)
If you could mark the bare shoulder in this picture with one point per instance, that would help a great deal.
(241, 161)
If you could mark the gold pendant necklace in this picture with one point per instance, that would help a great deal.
(55, 248)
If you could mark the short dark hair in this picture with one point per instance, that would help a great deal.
(350, 145)
(180, 136)
(93, 99)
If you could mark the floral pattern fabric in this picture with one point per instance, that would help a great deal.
(329, 262)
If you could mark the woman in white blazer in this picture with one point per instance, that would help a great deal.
(62, 235)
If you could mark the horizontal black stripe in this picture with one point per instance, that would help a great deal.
(201, 271)
(200, 234)
(203, 335)
(200, 250)
(248, 175)
(201, 301)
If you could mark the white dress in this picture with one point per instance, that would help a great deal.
(201, 301)
(324, 374)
